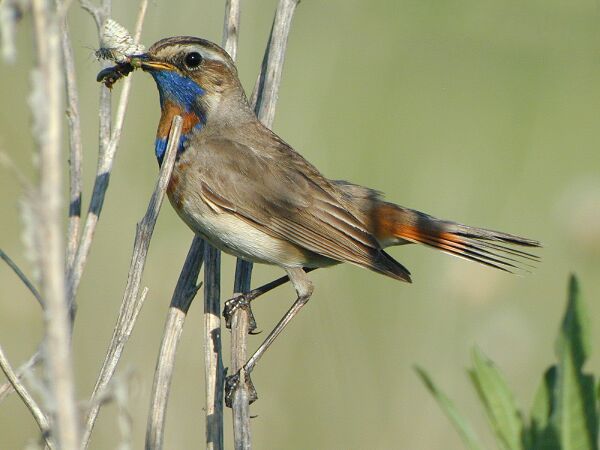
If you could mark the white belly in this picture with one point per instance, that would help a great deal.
(237, 237)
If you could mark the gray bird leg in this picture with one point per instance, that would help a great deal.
(304, 289)
(243, 300)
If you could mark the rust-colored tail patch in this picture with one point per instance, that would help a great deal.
(395, 225)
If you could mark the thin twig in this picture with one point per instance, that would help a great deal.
(9, 14)
(214, 372)
(240, 408)
(269, 80)
(213, 360)
(264, 100)
(74, 178)
(176, 316)
(75, 144)
(29, 401)
(7, 388)
(239, 327)
(109, 143)
(22, 276)
(47, 112)
(184, 294)
(98, 13)
(131, 304)
(231, 27)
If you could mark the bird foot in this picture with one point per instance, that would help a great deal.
(232, 383)
(232, 305)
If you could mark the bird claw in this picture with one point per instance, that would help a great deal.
(232, 305)
(232, 383)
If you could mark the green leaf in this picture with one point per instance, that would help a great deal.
(460, 424)
(542, 434)
(575, 416)
(542, 403)
(574, 337)
(498, 401)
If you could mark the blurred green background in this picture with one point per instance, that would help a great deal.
(484, 112)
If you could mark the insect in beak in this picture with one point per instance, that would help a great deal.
(111, 75)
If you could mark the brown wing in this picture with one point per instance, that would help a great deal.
(282, 194)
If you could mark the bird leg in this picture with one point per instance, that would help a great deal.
(243, 300)
(304, 289)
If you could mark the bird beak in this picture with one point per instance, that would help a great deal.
(147, 62)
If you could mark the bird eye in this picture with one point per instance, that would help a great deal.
(193, 60)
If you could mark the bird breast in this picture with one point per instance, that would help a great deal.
(227, 231)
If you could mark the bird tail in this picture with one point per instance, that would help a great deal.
(397, 225)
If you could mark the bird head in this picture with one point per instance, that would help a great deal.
(196, 80)
(193, 73)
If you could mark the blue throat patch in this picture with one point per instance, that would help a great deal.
(177, 88)
(184, 92)
(160, 145)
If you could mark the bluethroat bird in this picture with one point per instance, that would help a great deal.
(246, 191)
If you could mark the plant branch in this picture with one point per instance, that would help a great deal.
(266, 91)
(75, 144)
(22, 276)
(184, 294)
(47, 116)
(213, 361)
(231, 27)
(109, 143)
(131, 305)
(264, 100)
(29, 401)
(214, 372)
(8, 388)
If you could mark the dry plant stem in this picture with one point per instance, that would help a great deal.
(269, 80)
(264, 100)
(239, 330)
(213, 362)
(31, 404)
(109, 143)
(98, 13)
(231, 27)
(75, 145)
(75, 158)
(8, 19)
(184, 294)
(7, 388)
(241, 397)
(28, 284)
(47, 112)
(132, 304)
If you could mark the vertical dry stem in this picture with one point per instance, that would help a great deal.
(215, 374)
(184, 294)
(266, 90)
(47, 111)
(264, 99)
(213, 362)
(75, 145)
(109, 142)
(231, 27)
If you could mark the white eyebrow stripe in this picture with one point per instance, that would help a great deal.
(211, 54)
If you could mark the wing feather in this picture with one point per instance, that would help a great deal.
(289, 199)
